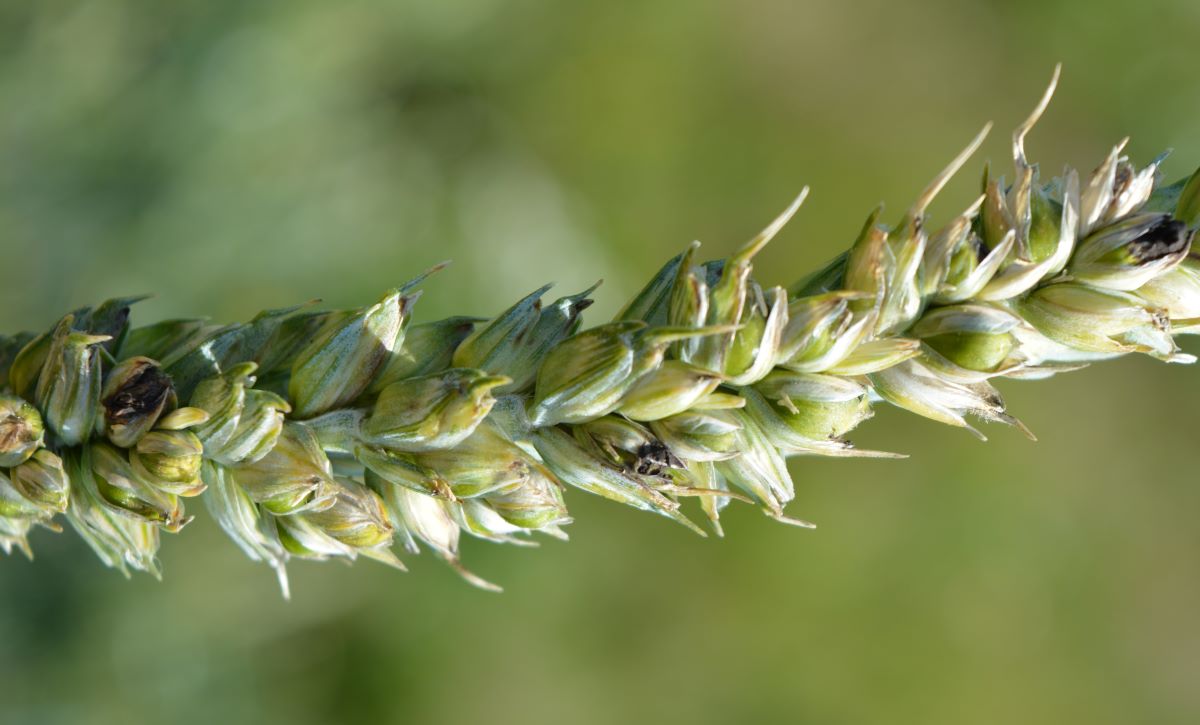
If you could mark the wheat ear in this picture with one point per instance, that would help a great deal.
(318, 434)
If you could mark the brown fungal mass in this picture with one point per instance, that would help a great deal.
(14, 432)
(653, 457)
(144, 393)
(1168, 236)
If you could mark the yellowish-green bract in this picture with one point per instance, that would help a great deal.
(317, 434)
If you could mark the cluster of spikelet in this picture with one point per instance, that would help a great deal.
(317, 434)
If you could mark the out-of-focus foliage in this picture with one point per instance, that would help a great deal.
(236, 156)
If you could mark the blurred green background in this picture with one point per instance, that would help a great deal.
(233, 156)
